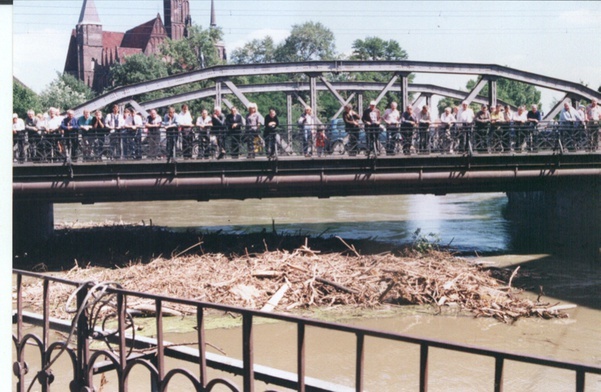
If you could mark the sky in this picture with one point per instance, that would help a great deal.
(555, 38)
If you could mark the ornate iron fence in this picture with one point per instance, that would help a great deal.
(92, 305)
(318, 141)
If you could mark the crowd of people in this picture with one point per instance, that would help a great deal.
(120, 133)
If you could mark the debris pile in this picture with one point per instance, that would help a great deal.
(304, 278)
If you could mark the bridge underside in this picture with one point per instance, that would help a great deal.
(299, 177)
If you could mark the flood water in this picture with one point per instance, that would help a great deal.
(472, 224)
(467, 222)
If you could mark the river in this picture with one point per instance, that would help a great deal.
(472, 224)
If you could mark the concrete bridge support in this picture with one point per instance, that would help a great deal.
(562, 221)
(33, 222)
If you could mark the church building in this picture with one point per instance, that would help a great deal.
(92, 50)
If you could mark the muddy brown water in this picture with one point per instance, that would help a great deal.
(471, 223)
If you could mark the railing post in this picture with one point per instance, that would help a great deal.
(122, 344)
(19, 368)
(580, 378)
(423, 367)
(202, 355)
(359, 360)
(160, 343)
(247, 352)
(499, 374)
(83, 346)
(300, 356)
(44, 373)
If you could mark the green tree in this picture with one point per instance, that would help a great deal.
(193, 52)
(306, 42)
(510, 91)
(65, 92)
(254, 52)
(24, 99)
(375, 48)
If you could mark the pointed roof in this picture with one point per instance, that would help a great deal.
(139, 36)
(213, 19)
(88, 14)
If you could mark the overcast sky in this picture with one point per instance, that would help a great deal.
(556, 39)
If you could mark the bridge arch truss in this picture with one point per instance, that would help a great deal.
(317, 72)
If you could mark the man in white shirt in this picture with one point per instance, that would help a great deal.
(115, 122)
(203, 124)
(392, 119)
(184, 121)
(465, 119)
(18, 138)
(132, 134)
(447, 119)
(593, 116)
(307, 122)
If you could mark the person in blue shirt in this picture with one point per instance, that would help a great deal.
(70, 134)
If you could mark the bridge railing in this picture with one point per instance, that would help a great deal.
(101, 314)
(331, 140)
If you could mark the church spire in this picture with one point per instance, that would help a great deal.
(213, 19)
(88, 14)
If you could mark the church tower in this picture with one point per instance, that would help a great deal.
(177, 18)
(89, 42)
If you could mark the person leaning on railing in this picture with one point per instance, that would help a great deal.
(372, 119)
(593, 117)
(171, 131)
(234, 123)
(447, 121)
(184, 122)
(351, 126)
(70, 132)
(424, 119)
(132, 134)
(85, 126)
(218, 128)
(498, 129)
(270, 133)
(482, 121)
(253, 123)
(521, 130)
(153, 125)
(53, 124)
(33, 136)
(534, 117)
(465, 120)
(307, 122)
(97, 133)
(18, 138)
(203, 125)
(391, 118)
(408, 124)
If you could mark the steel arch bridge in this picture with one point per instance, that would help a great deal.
(316, 73)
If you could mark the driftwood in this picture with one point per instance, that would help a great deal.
(282, 280)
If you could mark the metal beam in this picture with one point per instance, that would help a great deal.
(350, 98)
(387, 87)
(557, 108)
(479, 86)
(316, 67)
(313, 94)
(404, 92)
(218, 93)
(289, 87)
(333, 90)
(492, 92)
(237, 93)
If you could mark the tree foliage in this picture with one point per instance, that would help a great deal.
(193, 52)
(24, 99)
(513, 92)
(375, 49)
(64, 92)
(257, 51)
(306, 42)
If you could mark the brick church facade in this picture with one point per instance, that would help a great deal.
(92, 50)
